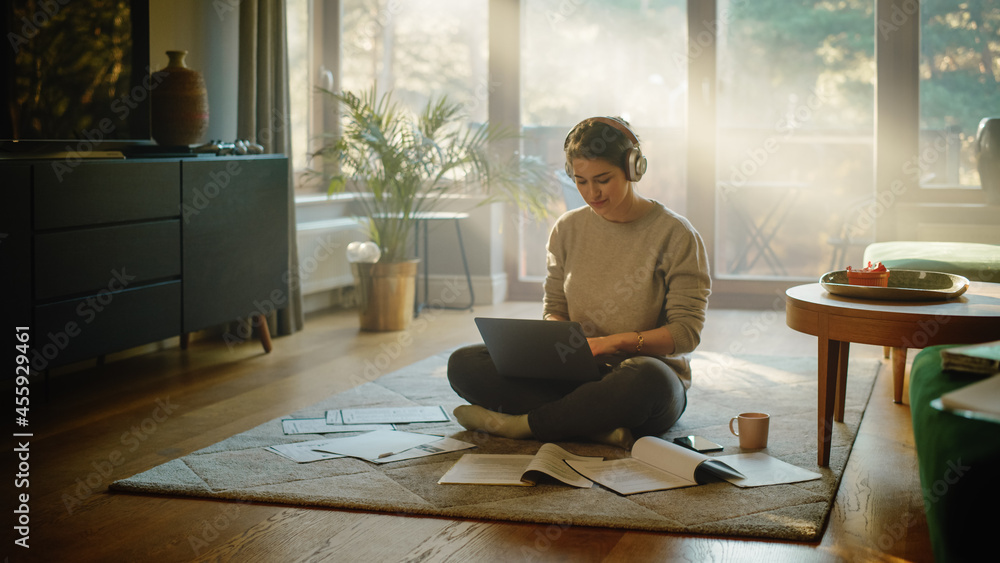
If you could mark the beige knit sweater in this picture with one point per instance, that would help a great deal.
(622, 277)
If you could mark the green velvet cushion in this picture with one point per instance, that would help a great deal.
(978, 262)
(958, 460)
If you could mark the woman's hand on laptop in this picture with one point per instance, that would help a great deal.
(604, 344)
(657, 342)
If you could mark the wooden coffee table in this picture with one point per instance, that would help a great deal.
(970, 318)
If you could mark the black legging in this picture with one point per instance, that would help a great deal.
(641, 393)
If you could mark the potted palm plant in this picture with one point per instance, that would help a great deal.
(399, 165)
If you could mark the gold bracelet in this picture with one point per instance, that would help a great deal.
(638, 346)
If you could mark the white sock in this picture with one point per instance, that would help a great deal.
(621, 437)
(474, 417)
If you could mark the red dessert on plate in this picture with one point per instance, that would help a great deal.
(877, 275)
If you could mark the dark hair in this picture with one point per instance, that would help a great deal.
(595, 138)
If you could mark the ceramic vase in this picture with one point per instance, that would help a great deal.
(988, 157)
(178, 103)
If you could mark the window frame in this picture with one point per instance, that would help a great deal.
(896, 131)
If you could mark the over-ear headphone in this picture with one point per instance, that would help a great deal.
(635, 162)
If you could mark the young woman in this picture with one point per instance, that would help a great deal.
(635, 275)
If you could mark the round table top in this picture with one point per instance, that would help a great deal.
(971, 317)
(980, 300)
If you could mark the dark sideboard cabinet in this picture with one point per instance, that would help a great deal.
(97, 256)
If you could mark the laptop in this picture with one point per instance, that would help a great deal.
(538, 349)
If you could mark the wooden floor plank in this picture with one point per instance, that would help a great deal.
(102, 424)
(295, 534)
(486, 541)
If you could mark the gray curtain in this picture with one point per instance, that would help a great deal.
(263, 116)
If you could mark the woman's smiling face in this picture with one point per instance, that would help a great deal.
(604, 188)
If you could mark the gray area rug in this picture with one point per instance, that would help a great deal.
(239, 468)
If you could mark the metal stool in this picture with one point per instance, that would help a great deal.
(422, 219)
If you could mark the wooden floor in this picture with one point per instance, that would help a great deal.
(113, 421)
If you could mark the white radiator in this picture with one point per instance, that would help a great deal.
(323, 267)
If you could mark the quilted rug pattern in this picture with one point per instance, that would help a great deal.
(239, 468)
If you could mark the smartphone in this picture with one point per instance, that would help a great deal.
(698, 444)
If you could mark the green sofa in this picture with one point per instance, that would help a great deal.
(978, 262)
(959, 461)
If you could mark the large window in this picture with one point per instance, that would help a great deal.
(417, 48)
(790, 186)
(959, 73)
(959, 77)
(599, 58)
(302, 81)
(794, 139)
(414, 48)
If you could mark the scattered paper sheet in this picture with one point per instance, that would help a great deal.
(307, 452)
(302, 452)
(441, 446)
(387, 415)
(629, 476)
(655, 465)
(376, 445)
(761, 469)
(980, 400)
(647, 472)
(488, 469)
(517, 470)
(321, 426)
